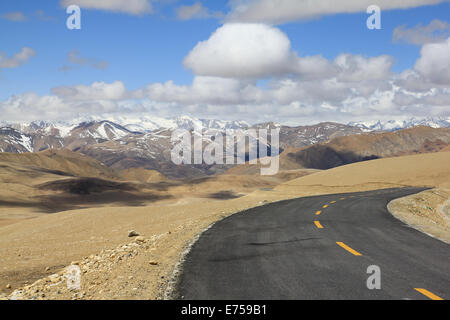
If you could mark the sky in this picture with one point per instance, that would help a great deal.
(288, 61)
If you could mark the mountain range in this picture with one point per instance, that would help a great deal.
(394, 125)
(145, 142)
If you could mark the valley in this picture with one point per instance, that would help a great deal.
(60, 205)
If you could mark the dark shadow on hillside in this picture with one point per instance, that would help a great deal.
(85, 186)
(224, 195)
(88, 192)
(64, 202)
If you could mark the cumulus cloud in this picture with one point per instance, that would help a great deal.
(228, 68)
(18, 59)
(247, 51)
(31, 106)
(205, 90)
(133, 7)
(280, 11)
(196, 11)
(435, 31)
(434, 62)
(239, 50)
(355, 68)
(288, 100)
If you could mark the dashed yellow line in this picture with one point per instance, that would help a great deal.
(318, 225)
(346, 247)
(318, 213)
(342, 199)
(333, 201)
(325, 206)
(428, 294)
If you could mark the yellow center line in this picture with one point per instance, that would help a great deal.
(325, 206)
(343, 245)
(318, 213)
(342, 199)
(427, 293)
(318, 225)
(333, 201)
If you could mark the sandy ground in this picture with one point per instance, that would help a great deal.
(36, 248)
(428, 211)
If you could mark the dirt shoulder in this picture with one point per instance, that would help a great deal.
(428, 211)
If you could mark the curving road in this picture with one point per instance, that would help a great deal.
(317, 248)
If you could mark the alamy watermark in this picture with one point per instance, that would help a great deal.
(235, 147)
(74, 20)
(374, 21)
(73, 276)
(374, 280)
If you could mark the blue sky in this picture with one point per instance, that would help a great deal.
(144, 49)
(139, 50)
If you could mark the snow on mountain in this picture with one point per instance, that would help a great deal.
(12, 140)
(394, 125)
(57, 128)
(134, 123)
(103, 130)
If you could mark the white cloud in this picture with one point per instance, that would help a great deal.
(434, 62)
(205, 90)
(96, 91)
(18, 59)
(291, 101)
(354, 68)
(228, 67)
(435, 31)
(280, 11)
(133, 7)
(246, 51)
(239, 50)
(31, 106)
(196, 11)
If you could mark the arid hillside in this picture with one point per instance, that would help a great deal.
(64, 160)
(430, 169)
(356, 148)
(35, 248)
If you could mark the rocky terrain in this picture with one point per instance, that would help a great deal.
(427, 211)
(91, 270)
(147, 145)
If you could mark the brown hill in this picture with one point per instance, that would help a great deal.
(356, 148)
(432, 169)
(61, 161)
(142, 175)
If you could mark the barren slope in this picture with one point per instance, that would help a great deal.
(55, 240)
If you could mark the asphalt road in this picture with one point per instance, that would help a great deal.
(279, 251)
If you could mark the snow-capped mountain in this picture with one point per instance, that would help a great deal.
(393, 125)
(12, 140)
(145, 142)
(140, 124)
